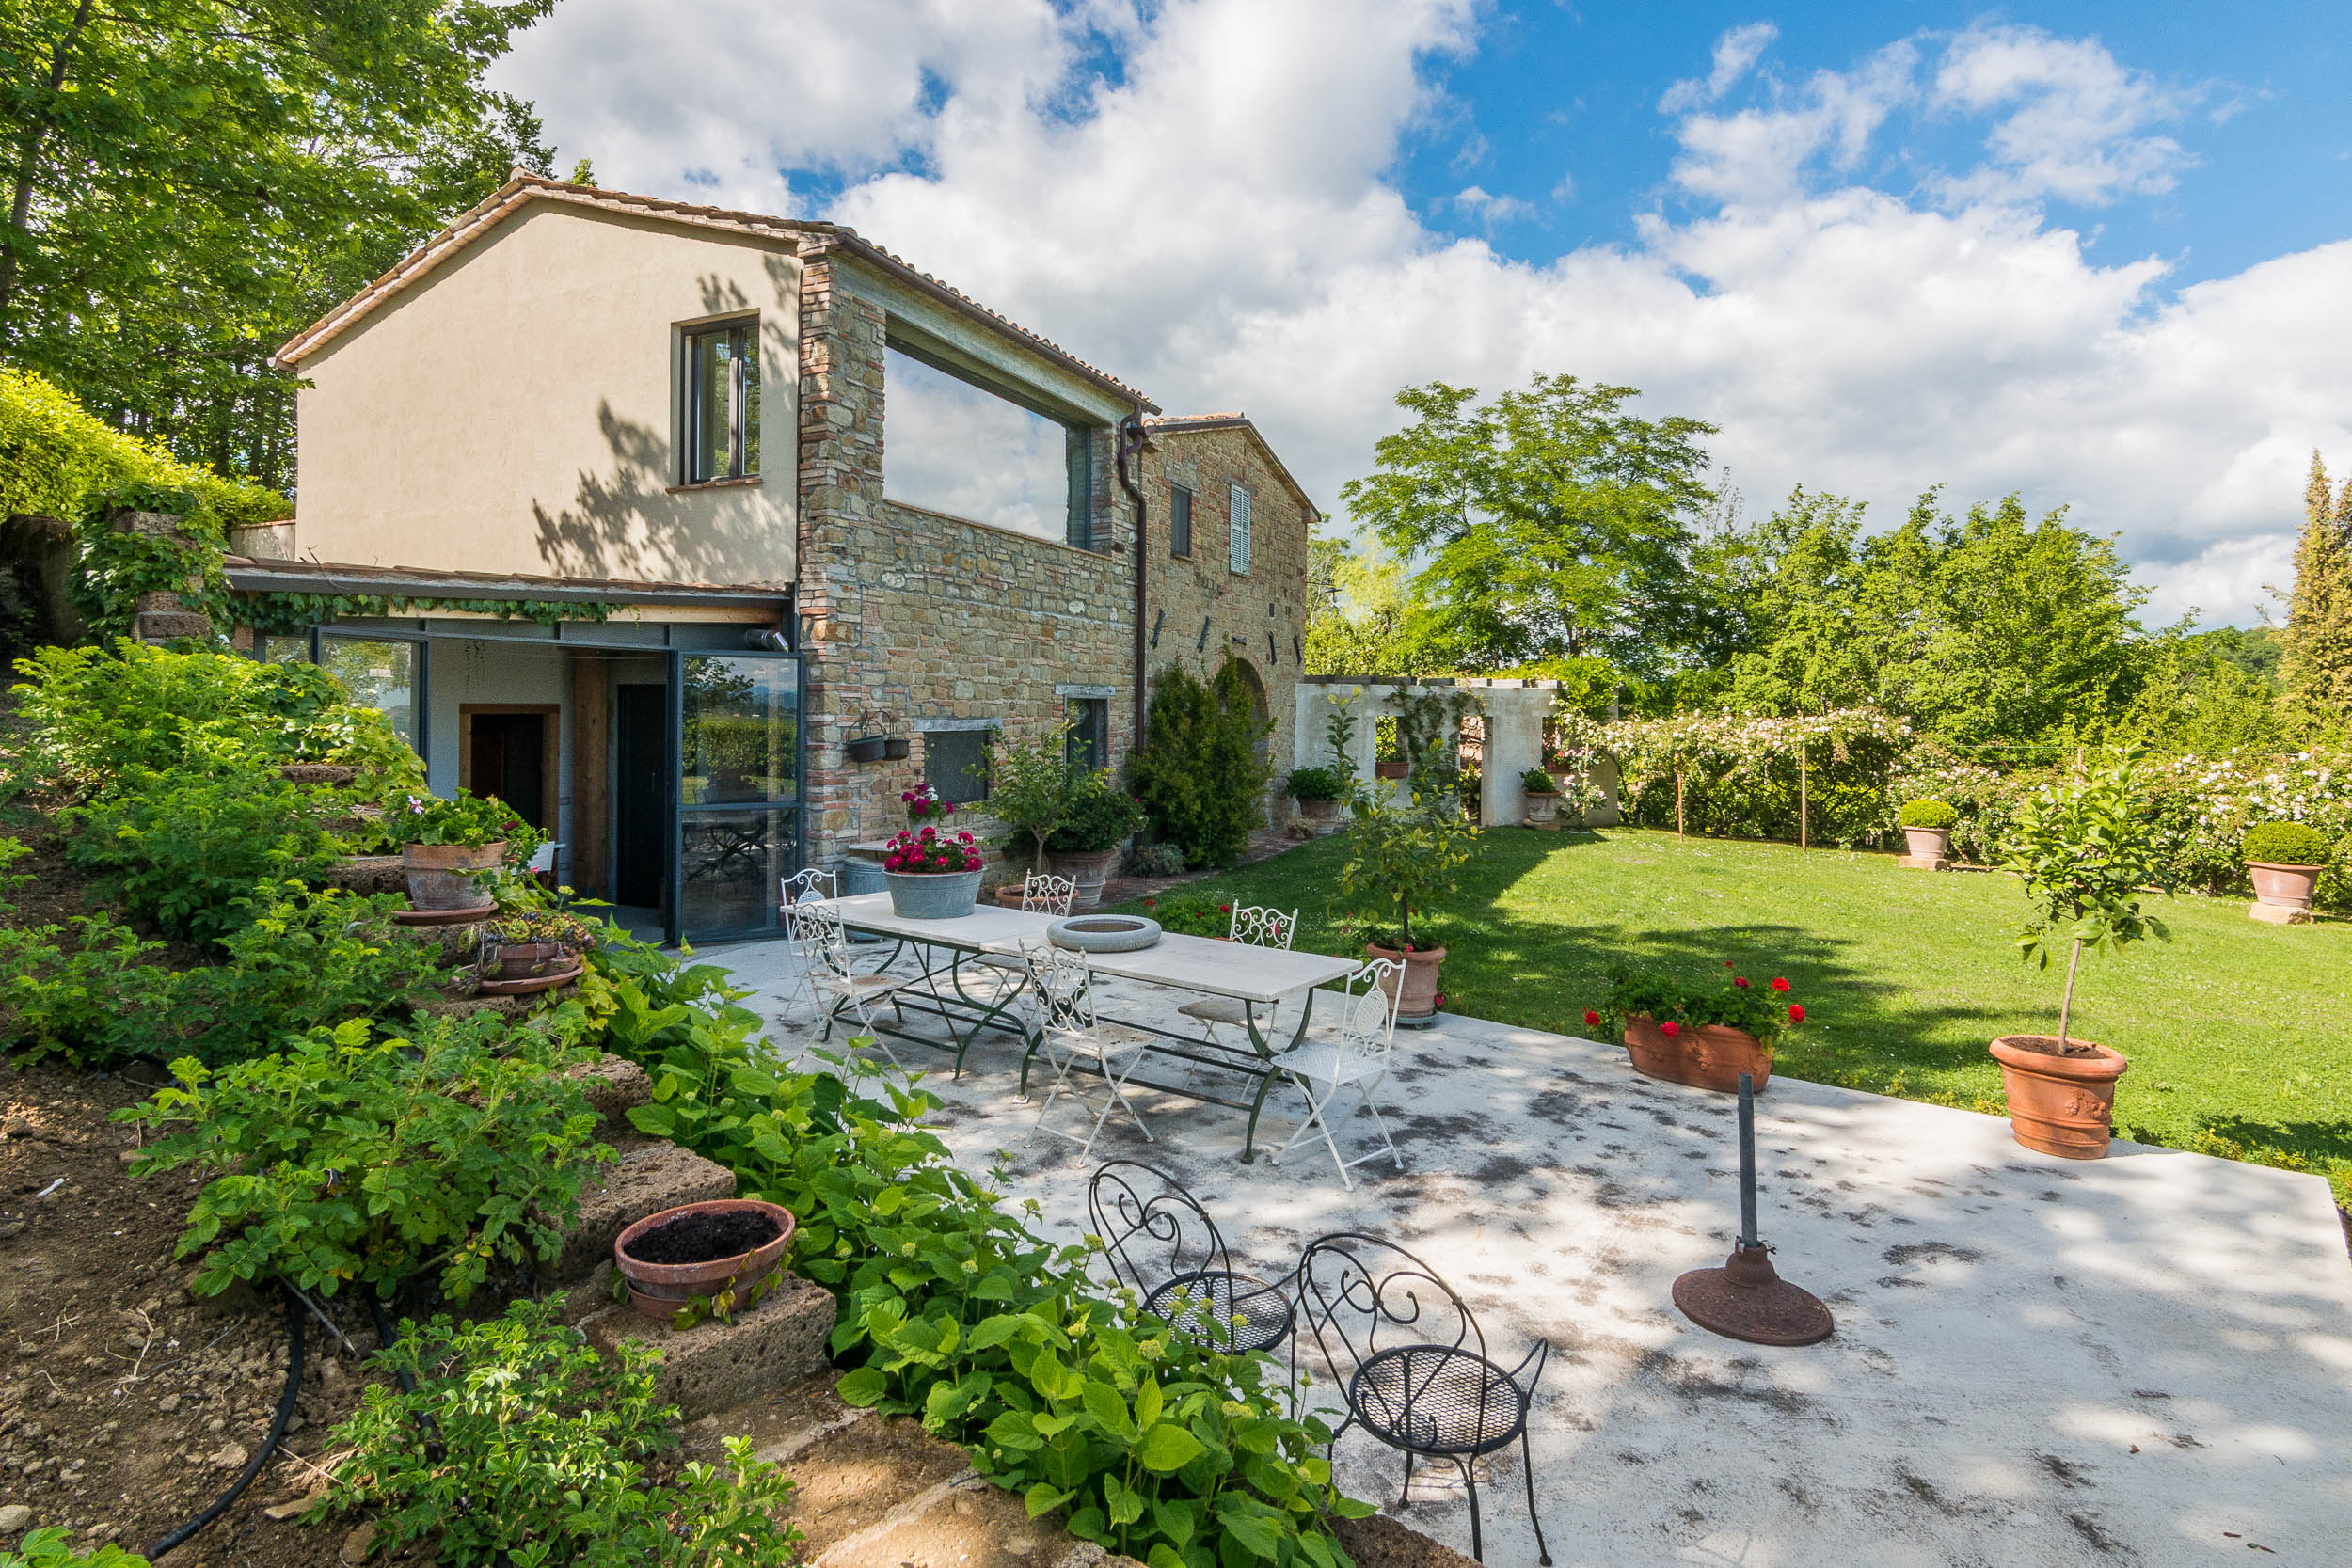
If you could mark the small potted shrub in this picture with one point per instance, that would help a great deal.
(449, 846)
(2087, 857)
(931, 874)
(535, 945)
(1702, 1036)
(1084, 845)
(1318, 792)
(1402, 860)
(1927, 830)
(2285, 860)
(1542, 797)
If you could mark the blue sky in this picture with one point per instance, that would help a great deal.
(1558, 90)
(2095, 255)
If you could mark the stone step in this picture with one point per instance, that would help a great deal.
(714, 1365)
(648, 1177)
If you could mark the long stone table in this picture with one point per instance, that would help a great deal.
(1258, 977)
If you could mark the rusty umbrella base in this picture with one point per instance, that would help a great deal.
(1746, 1300)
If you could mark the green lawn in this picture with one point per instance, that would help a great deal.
(2240, 1034)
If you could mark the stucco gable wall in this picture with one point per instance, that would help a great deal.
(513, 412)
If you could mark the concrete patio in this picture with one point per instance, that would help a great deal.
(2145, 1359)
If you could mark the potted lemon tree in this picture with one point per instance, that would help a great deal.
(2087, 857)
(1403, 859)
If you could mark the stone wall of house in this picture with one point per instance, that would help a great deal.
(908, 615)
(1196, 608)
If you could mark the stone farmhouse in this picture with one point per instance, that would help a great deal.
(698, 535)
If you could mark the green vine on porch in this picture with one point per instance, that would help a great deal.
(281, 615)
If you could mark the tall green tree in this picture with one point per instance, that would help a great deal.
(2315, 666)
(191, 181)
(1798, 582)
(1548, 523)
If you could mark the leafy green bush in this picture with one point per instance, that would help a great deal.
(54, 455)
(344, 1158)
(544, 1447)
(1156, 860)
(963, 1316)
(194, 852)
(94, 997)
(1202, 768)
(2285, 844)
(50, 1547)
(1192, 914)
(1928, 813)
(1400, 860)
(1100, 817)
(1536, 781)
(1316, 784)
(465, 818)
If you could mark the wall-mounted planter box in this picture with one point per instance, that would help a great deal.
(871, 748)
(896, 748)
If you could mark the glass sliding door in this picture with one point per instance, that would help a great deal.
(738, 771)
(386, 674)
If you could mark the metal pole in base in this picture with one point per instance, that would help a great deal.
(1746, 1299)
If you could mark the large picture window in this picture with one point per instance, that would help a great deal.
(721, 405)
(954, 446)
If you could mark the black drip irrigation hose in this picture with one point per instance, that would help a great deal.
(270, 1444)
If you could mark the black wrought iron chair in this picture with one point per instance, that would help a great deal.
(1412, 1365)
(1162, 1245)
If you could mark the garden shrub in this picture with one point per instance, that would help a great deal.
(2284, 844)
(1151, 1442)
(1928, 813)
(194, 852)
(1202, 768)
(1156, 860)
(347, 1157)
(51, 1546)
(1191, 914)
(95, 996)
(1316, 784)
(1099, 816)
(54, 455)
(542, 1453)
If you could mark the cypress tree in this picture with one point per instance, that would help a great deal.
(2317, 667)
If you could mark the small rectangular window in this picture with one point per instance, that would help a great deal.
(1089, 743)
(1238, 531)
(1179, 520)
(955, 764)
(720, 403)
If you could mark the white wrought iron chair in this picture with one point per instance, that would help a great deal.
(839, 985)
(1260, 927)
(1354, 1058)
(1041, 893)
(815, 883)
(1061, 982)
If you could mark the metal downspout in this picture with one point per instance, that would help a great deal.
(1130, 437)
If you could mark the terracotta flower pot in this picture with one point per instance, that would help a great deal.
(2063, 1105)
(529, 960)
(1420, 979)
(2283, 889)
(1319, 811)
(1089, 869)
(448, 875)
(659, 1290)
(1543, 811)
(1704, 1055)
(1929, 844)
(1392, 770)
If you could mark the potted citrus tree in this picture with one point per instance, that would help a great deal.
(448, 847)
(1702, 1036)
(2087, 858)
(2285, 860)
(1402, 860)
(1084, 847)
(1542, 797)
(1928, 831)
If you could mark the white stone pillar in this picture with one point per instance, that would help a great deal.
(1515, 743)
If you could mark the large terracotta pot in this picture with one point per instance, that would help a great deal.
(2063, 1105)
(1929, 844)
(1420, 979)
(1392, 770)
(528, 960)
(1090, 870)
(2283, 890)
(1704, 1055)
(1320, 811)
(448, 875)
(1543, 811)
(657, 1290)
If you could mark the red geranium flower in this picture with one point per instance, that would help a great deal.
(1728, 965)
(1438, 1000)
(1779, 984)
(1225, 909)
(1591, 1017)
(1739, 980)
(1670, 1029)
(1796, 1012)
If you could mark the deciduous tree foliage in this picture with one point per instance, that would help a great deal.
(2316, 670)
(188, 182)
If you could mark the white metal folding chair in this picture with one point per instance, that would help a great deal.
(1259, 927)
(1061, 984)
(1354, 1057)
(839, 985)
(815, 883)
(1041, 893)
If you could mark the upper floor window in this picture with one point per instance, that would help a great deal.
(986, 450)
(1179, 520)
(1238, 532)
(721, 405)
